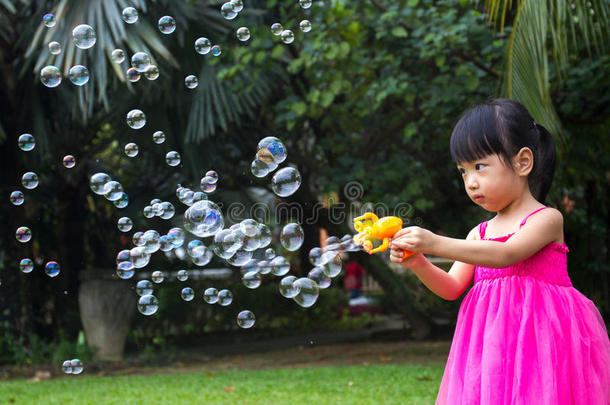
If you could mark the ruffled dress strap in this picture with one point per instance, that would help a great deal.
(525, 219)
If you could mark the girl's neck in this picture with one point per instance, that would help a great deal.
(518, 207)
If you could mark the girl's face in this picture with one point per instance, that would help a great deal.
(489, 182)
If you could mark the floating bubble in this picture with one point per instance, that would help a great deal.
(287, 287)
(240, 257)
(136, 119)
(238, 5)
(308, 292)
(280, 266)
(203, 45)
(287, 36)
(203, 219)
(98, 182)
(148, 304)
(292, 236)
(333, 267)
(122, 202)
(248, 227)
(77, 366)
(195, 248)
(176, 236)
(139, 257)
(251, 279)
(130, 15)
(182, 275)
(131, 149)
(317, 274)
(269, 254)
(66, 367)
(225, 297)
(148, 212)
(117, 56)
(168, 210)
(114, 190)
(151, 241)
(167, 25)
(172, 158)
(265, 235)
(125, 224)
(305, 3)
(29, 180)
(286, 181)
(227, 10)
(125, 270)
(151, 72)
(216, 51)
(263, 267)
(50, 76)
(210, 295)
(208, 184)
(79, 75)
(17, 197)
(204, 259)
(187, 294)
(315, 256)
(259, 168)
(137, 239)
(54, 48)
(69, 161)
(52, 269)
(26, 142)
(144, 287)
(191, 81)
(276, 28)
(157, 276)
(165, 243)
(132, 75)
(305, 25)
(26, 265)
(123, 255)
(245, 319)
(158, 137)
(140, 61)
(83, 36)
(23, 234)
(49, 20)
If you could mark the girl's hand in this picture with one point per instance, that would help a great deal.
(415, 239)
(396, 256)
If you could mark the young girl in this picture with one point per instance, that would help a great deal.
(524, 335)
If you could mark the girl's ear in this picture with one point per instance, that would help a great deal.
(523, 162)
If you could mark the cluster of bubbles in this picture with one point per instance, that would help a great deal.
(223, 297)
(287, 36)
(102, 184)
(270, 153)
(158, 208)
(203, 46)
(51, 269)
(74, 366)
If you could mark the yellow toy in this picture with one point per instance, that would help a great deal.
(369, 226)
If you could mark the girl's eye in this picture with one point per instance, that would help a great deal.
(462, 171)
(479, 164)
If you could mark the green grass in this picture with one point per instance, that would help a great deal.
(382, 384)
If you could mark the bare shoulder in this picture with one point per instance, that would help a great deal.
(550, 219)
(473, 234)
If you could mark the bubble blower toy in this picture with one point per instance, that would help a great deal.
(369, 227)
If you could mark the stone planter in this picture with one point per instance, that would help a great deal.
(107, 305)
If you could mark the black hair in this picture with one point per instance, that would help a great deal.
(503, 127)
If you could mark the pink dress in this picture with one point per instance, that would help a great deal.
(525, 336)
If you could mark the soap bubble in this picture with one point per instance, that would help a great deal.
(130, 15)
(182, 275)
(54, 48)
(187, 294)
(140, 61)
(52, 269)
(276, 28)
(83, 36)
(125, 269)
(136, 119)
(269, 254)
(122, 256)
(245, 319)
(176, 236)
(122, 202)
(287, 287)
(144, 287)
(26, 142)
(158, 137)
(49, 20)
(263, 267)
(208, 184)
(191, 81)
(216, 51)
(132, 75)
(151, 72)
(317, 274)
(203, 219)
(124, 224)
(210, 295)
(23, 234)
(66, 367)
(131, 149)
(240, 257)
(26, 265)
(117, 56)
(114, 190)
(238, 5)
(148, 212)
(315, 256)
(333, 267)
(212, 176)
(292, 236)
(252, 279)
(69, 161)
(17, 197)
(50, 76)
(265, 235)
(77, 366)
(139, 257)
(225, 297)
(248, 227)
(227, 10)
(165, 244)
(203, 259)
(157, 276)
(172, 158)
(203, 45)
(305, 25)
(271, 150)
(243, 34)
(137, 239)
(308, 292)
(151, 241)
(305, 3)
(166, 24)
(259, 168)
(287, 36)
(29, 180)
(79, 75)
(168, 210)
(98, 183)
(148, 304)
(279, 266)
(286, 181)
(195, 248)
